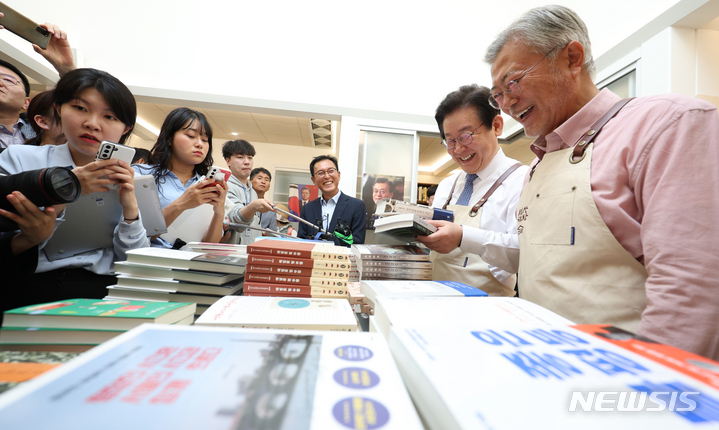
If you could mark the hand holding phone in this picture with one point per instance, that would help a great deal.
(116, 151)
(24, 26)
(218, 174)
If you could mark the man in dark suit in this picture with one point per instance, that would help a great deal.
(333, 206)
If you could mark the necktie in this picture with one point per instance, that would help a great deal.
(467, 191)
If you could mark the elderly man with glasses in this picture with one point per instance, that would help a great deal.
(477, 247)
(617, 223)
(333, 210)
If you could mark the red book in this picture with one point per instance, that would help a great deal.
(272, 260)
(255, 288)
(298, 271)
(299, 249)
(295, 280)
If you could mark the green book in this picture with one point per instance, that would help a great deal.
(97, 314)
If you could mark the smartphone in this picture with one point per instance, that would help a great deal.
(24, 26)
(115, 150)
(218, 174)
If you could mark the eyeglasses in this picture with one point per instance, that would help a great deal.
(322, 173)
(464, 138)
(513, 88)
(9, 80)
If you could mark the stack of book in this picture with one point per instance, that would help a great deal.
(216, 248)
(294, 268)
(405, 220)
(79, 324)
(169, 377)
(171, 275)
(376, 262)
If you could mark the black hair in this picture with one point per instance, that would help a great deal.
(116, 94)
(179, 119)
(141, 153)
(431, 191)
(319, 158)
(257, 170)
(384, 180)
(237, 147)
(41, 104)
(21, 75)
(465, 96)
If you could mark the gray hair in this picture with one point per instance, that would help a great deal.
(544, 28)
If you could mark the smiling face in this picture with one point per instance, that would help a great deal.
(547, 98)
(87, 121)
(328, 183)
(381, 191)
(305, 194)
(477, 155)
(189, 145)
(12, 97)
(261, 183)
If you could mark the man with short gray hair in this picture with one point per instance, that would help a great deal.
(616, 222)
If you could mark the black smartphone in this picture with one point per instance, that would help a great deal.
(24, 26)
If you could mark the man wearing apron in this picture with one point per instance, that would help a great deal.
(617, 223)
(483, 197)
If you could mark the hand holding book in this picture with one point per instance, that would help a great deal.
(447, 237)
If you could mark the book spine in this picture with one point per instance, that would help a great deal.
(396, 270)
(295, 280)
(254, 288)
(287, 326)
(381, 276)
(299, 271)
(318, 252)
(397, 264)
(265, 260)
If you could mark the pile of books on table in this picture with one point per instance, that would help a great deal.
(295, 268)
(378, 262)
(79, 324)
(171, 275)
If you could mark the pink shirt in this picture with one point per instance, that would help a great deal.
(655, 181)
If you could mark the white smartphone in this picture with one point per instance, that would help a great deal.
(115, 150)
(218, 174)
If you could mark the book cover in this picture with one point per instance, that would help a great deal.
(404, 225)
(389, 207)
(168, 377)
(293, 290)
(48, 335)
(178, 274)
(295, 280)
(561, 376)
(278, 312)
(270, 260)
(402, 288)
(188, 260)
(299, 271)
(130, 293)
(97, 314)
(173, 286)
(299, 249)
(389, 252)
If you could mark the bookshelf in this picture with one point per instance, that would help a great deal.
(422, 192)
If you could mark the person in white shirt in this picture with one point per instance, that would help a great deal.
(484, 228)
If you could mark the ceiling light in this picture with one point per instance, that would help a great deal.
(322, 132)
(234, 134)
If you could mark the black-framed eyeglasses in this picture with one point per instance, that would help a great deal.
(9, 80)
(513, 89)
(464, 138)
(322, 173)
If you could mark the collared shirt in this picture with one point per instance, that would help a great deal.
(20, 158)
(20, 132)
(655, 183)
(328, 209)
(495, 241)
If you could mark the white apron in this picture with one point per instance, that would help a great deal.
(465, 267)
(569, 261)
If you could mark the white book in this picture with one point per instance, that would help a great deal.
(167, 377)
(176, 273)
(188, 260)
(129, 293)
(400, 288)
(404, 225)
(561, 377)
(280, 313)
(172, 286)
(435, 311)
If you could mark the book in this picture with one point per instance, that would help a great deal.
(401, 288)
(295, 280)
(173, 286)
(178, 274)
(271, 260)
(15, 371)
(97, 314)
(216, 248)
(188, 260)
(169, 377)
(280, 312)
(299, 249)
(560, 375)
(369, 273)
(388, 253)
(404, 264)
(390, 207)
(404, 225)
(436, 311)
(256, 288)
(48, 335)
(299, 271)
(128, 293)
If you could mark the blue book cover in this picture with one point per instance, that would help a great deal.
(466, 290)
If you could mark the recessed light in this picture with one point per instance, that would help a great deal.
(234, 134)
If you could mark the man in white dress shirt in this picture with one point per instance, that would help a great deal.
(483, 196)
